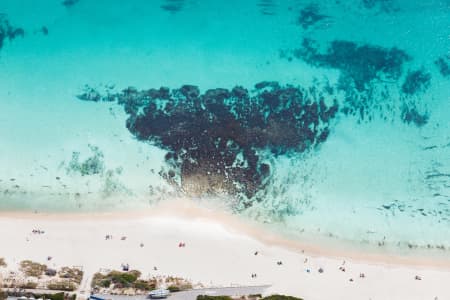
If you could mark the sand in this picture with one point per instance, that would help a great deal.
(220, 251)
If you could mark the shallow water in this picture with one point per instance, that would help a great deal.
(379, 175)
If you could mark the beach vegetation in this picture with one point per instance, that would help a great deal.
(62, 285)
(144, 285)
(73, 274)
(31, 268)
(3, 295)
(281, 297)
(176, 284)
(122, 279)
(174, 288)
(56, 296)
(207, 297)
(118, 279)
(2, 262)
(178, 287)
(97, 279)
(105, 283)
(28, 285)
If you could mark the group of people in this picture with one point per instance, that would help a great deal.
(125, 267)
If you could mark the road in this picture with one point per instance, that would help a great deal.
(192, 294)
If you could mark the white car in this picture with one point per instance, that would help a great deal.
(159, 294)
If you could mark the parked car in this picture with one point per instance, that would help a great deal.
(159, 294)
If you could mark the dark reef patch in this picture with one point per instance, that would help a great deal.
(368, 77)
(173, 6)
(411, 115)
(44, 30)
(416, 81)
(310, 16)
(7, 31)
(69, 3)
(215, 140)
(443, 64)
(360, 63)
(93, 165)
(382, 5)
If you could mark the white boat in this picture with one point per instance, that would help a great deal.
(159, 294)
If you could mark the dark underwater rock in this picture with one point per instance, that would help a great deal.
(44, 30)
(8, 32)
(411, 115)
(443, 64)
(90, 94)
(93, 165)
(416, 81)
(369, 75)
(69, 3)
(361, 63)
(310, 15)
(386, 6)
(173, 6)
(214, 139)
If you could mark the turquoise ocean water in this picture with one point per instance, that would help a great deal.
(324, 118)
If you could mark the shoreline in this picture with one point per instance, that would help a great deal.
(220, 250)
(187, 211)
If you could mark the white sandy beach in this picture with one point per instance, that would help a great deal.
(219, 252)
